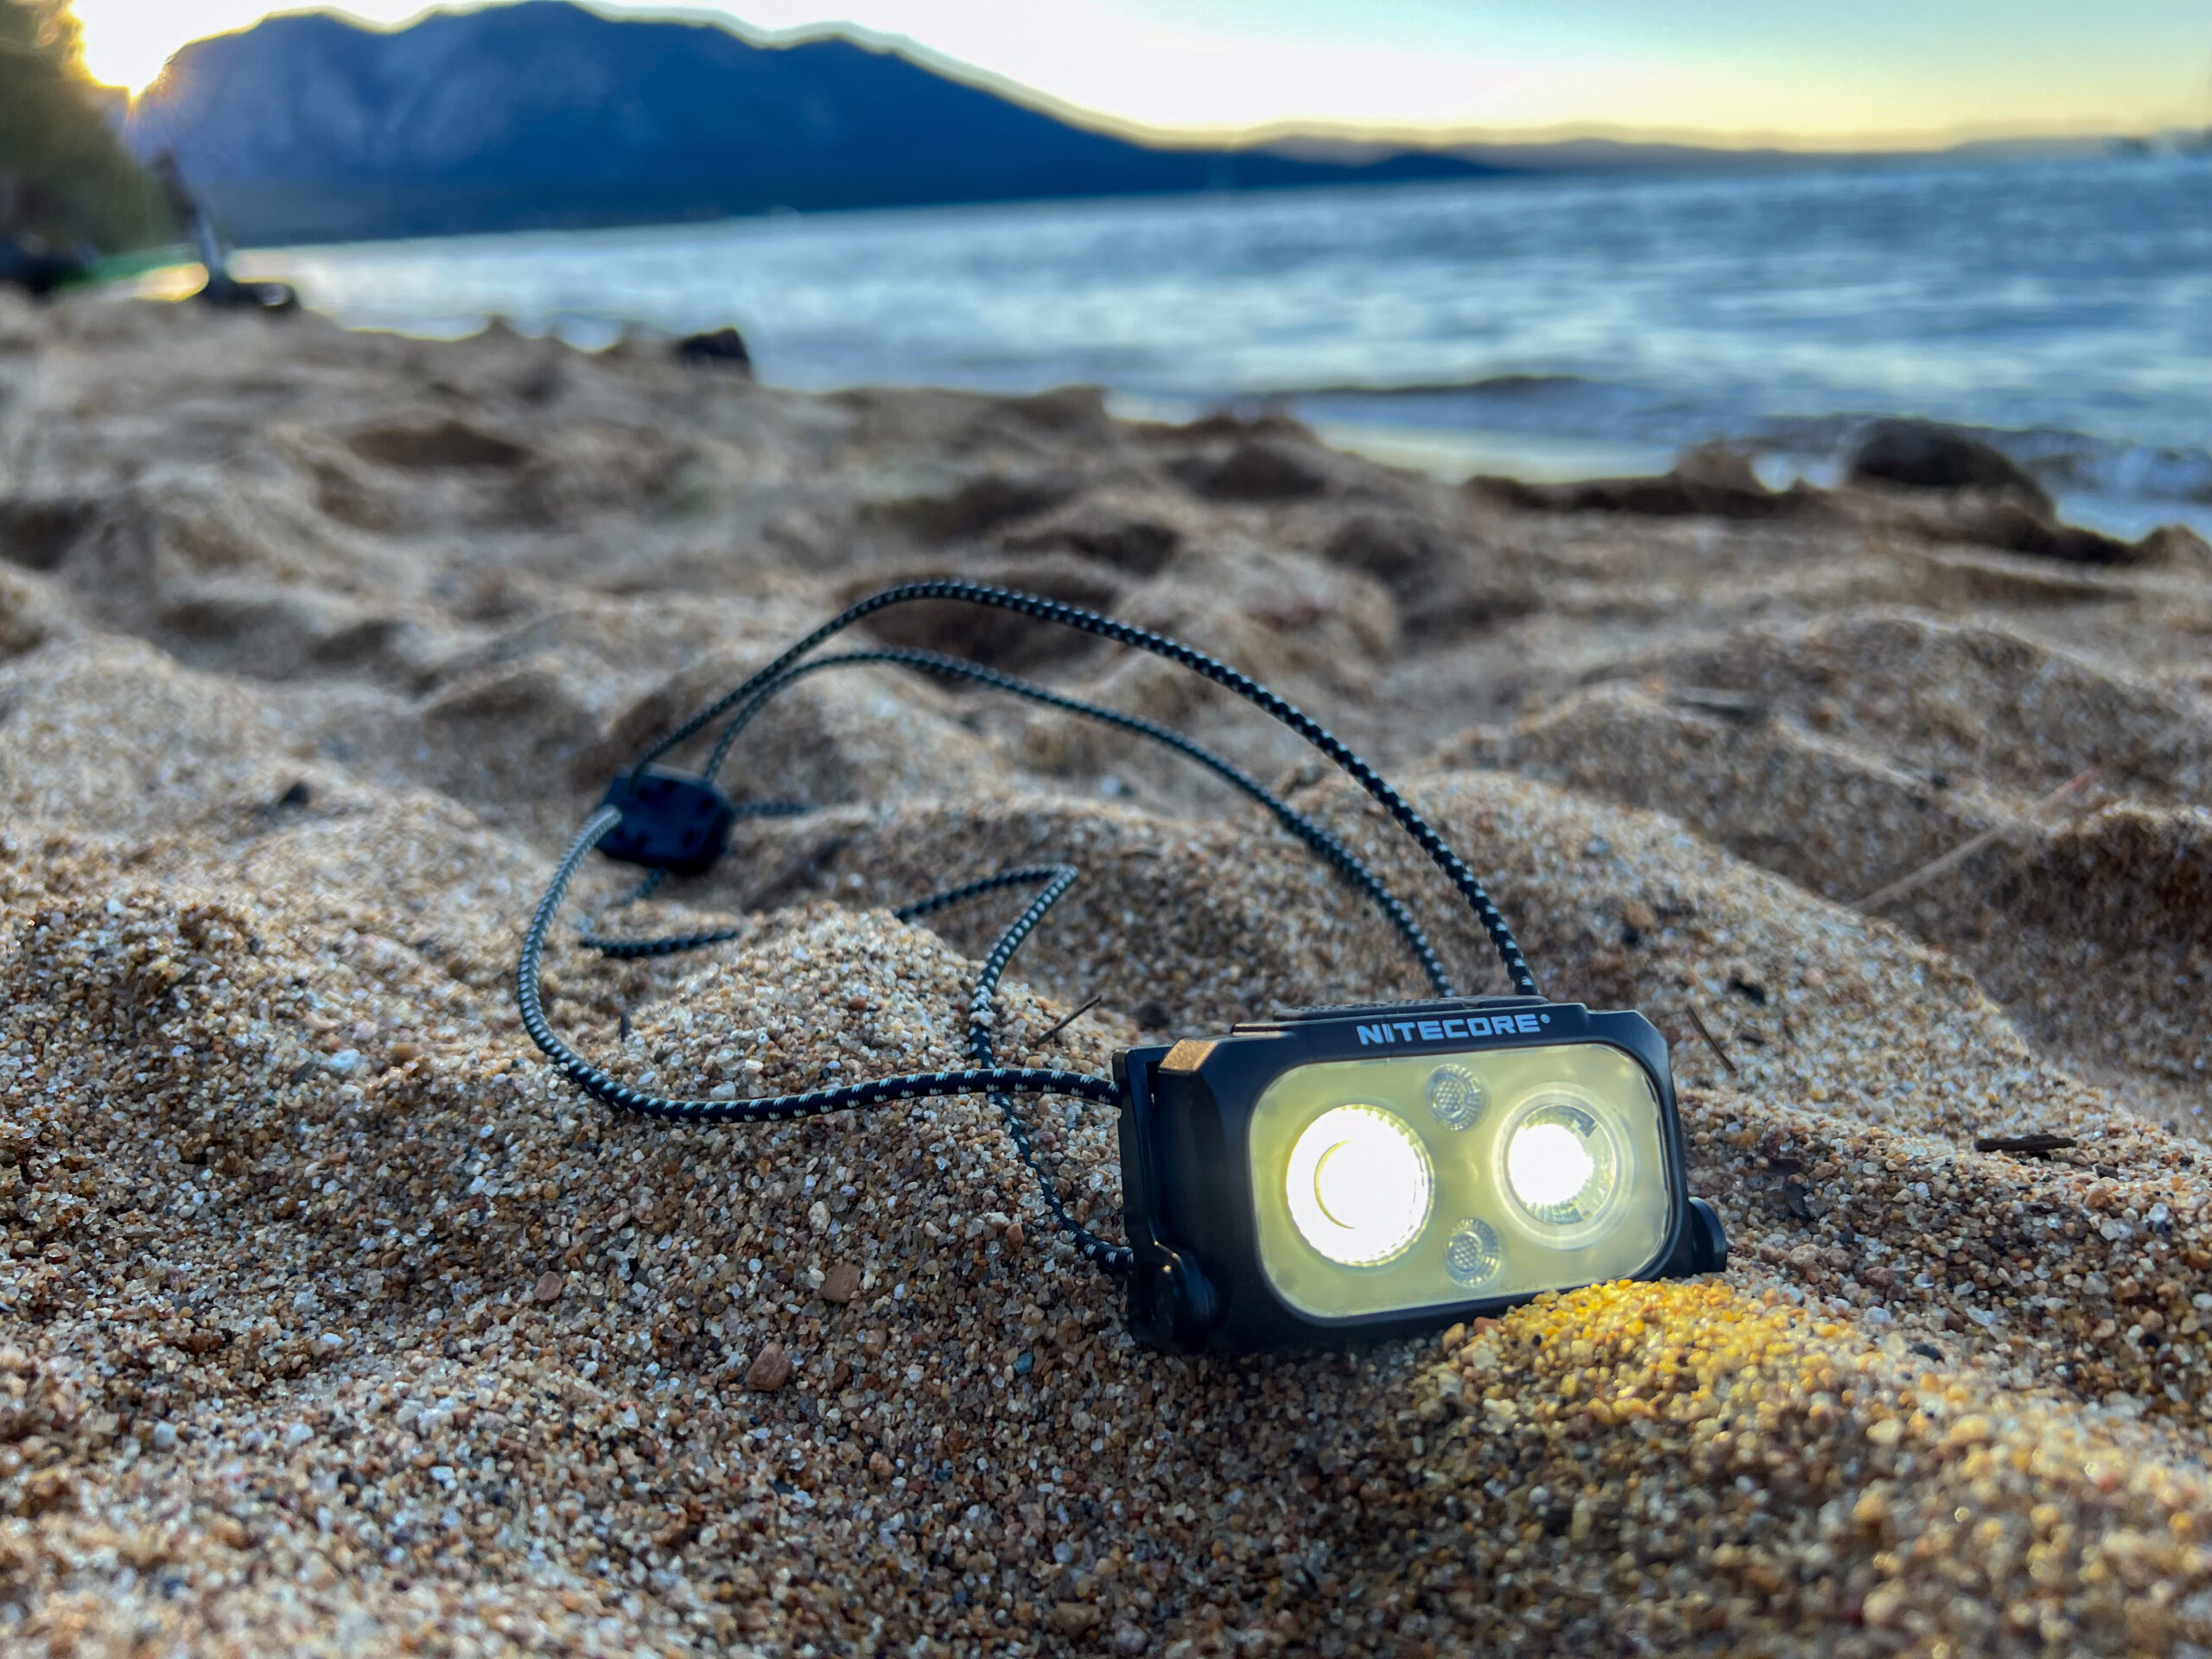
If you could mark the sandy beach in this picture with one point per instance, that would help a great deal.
(332, 1321)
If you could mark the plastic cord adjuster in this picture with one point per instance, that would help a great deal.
(670, 821)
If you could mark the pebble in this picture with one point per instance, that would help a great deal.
(770, 1369)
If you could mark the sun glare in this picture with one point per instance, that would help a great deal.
(1143, 62)
(127, 41)
(118, 60)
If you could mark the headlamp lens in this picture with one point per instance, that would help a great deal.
(1561, 1164)
(1549, 1167)
(1384, 1184)
(1358, 1185)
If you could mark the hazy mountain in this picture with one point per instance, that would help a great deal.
(311, 127)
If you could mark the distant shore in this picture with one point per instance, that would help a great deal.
(1471, 327)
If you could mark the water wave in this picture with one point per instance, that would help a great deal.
(2056, 310)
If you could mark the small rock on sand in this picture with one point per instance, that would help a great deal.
(770, 1370)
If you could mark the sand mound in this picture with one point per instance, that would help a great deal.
(1852, 755)
(326, 1316)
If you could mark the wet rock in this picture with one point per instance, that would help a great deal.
(717, 348)
(1710, 480)
(1928, 455)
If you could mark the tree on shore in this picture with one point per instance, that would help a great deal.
(64, 173)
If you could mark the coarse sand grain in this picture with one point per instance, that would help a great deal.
(331, 1320)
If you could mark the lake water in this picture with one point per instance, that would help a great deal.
(1549, 326)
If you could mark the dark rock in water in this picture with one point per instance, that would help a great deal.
(719, 348)
(1924, 455)
(28, 264)
(227, 293)
(2001, 521)
(1711, 479)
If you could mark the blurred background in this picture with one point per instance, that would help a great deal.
(1552, 240)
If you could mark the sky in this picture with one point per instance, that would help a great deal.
(1808, 73)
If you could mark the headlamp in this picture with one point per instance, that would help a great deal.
(1341, 1174)
(1350, 1173)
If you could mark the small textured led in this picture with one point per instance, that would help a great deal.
(1455, 1094)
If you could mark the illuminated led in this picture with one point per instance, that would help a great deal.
(1456, 1096)
(1560, 1164)
(1358, 1185)
(1548, 1165)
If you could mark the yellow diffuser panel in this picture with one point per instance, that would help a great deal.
(1387, 1186)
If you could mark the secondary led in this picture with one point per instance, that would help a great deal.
(1358, 1185)
(1455, 1095)
(1473, 1255)
(1560, 1164)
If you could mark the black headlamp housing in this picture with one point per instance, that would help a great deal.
(1193, 1212)
(1340, 1174)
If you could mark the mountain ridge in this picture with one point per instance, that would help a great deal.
(544, 114)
